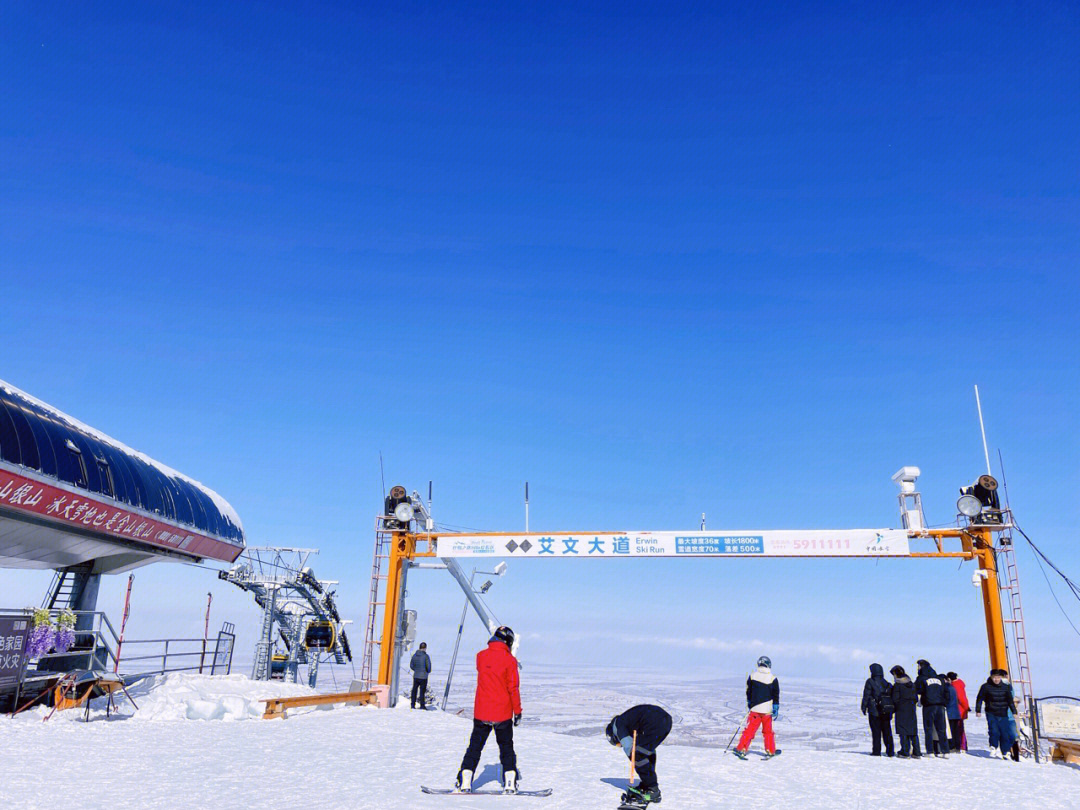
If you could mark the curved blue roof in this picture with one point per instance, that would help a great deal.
(38, 437)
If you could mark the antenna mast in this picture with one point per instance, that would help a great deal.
(982, 429)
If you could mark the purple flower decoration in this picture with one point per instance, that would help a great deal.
(65, 637)
(41, 641)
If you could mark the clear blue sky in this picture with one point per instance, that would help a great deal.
(744, 260)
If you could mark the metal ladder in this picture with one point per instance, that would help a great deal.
(1014, 620)
(383, 538)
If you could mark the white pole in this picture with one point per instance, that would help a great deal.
(703, 521)
(982, 429)
(526, 507)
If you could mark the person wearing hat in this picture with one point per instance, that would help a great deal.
(763, 700)
(904, 698)
(421, 668)
(639, 730)
(497, 708)
(934, 696)
(997, 695)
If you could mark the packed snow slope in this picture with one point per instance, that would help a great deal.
(353, 758)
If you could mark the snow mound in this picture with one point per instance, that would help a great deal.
(182, 696)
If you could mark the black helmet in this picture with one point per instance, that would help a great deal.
(764, 661)
(610, 732)
(505, 635)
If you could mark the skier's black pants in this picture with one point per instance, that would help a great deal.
(504, 736)
(645, 765)
(419, 689)
(881, 727)
(933, 721)
(909, 745)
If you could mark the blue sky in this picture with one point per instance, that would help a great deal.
(744, 260)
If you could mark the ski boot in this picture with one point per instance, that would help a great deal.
(510, 782)
(740, 754)
(775, 753)
(463, 784)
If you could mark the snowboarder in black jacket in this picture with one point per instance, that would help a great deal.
(651, 725)
(877, 705)
(904, 698)
(934, 697)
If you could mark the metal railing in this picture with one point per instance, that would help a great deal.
(213, 656)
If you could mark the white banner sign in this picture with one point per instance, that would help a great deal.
(840, 543)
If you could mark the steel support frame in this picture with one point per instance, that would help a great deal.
(976, 543)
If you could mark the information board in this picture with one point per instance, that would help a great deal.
(14, 634)
(1060, 717)
(823, 543)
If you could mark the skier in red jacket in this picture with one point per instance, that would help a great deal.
(498, 707)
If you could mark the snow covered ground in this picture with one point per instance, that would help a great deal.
(366, 758)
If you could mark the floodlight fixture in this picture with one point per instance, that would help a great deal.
(485, 587)
(404, 512)
(500, 569)
(969, 506)
(984, 493)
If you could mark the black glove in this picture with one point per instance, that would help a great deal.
(517, 719)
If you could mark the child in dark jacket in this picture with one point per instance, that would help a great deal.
(904, 698)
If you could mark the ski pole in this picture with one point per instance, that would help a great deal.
(729, 742)
(633, 756)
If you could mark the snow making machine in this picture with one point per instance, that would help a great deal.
(77, 501)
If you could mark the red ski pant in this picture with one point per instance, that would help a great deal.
(753, 721)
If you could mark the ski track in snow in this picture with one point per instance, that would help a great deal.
(353, 758)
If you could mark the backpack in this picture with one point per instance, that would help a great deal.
(884, 702)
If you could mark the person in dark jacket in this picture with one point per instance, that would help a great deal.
(934, 696)
(497, 708)
(904, 698)
(958, 712)
(421, 668)
(877, 705)
(763, 701)
(639, 730)
(997, 695)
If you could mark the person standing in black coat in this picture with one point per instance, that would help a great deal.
(904, 698)
(934, 697)
(997, 696)
(877, 705)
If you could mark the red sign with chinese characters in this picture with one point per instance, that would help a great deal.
(63, 507)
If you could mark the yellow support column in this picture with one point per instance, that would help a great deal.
(401, 549)
(991, 592)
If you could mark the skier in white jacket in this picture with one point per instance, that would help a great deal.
(763, 701)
